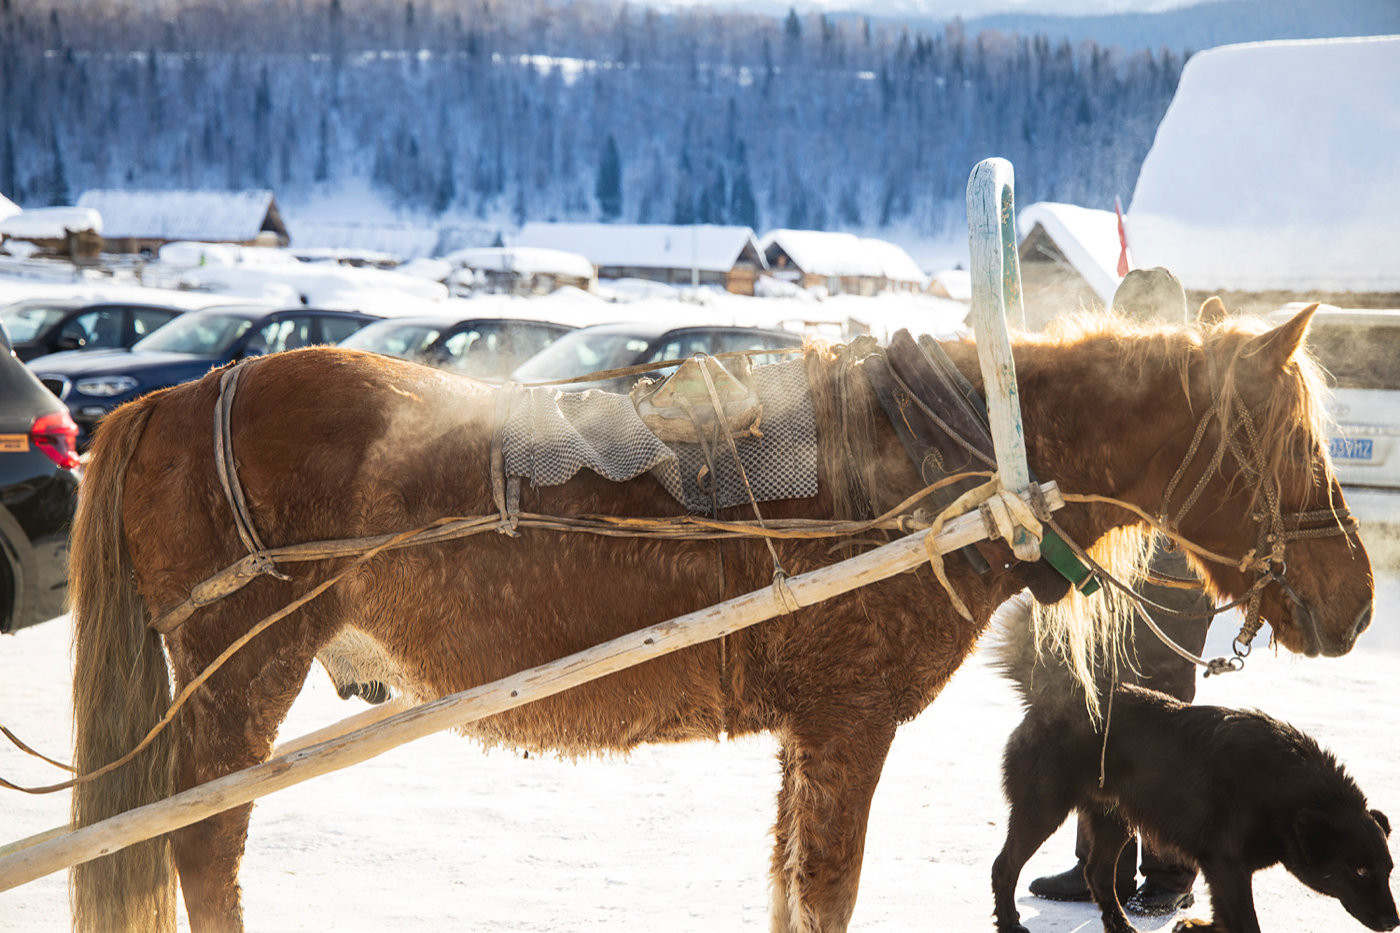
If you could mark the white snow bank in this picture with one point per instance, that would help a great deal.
(1275, 168)
(277, 276)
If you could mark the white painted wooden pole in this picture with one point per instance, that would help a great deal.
(26, 862)
(996, 294)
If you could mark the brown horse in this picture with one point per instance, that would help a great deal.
(337, 444)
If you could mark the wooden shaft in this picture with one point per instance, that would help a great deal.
(996, 294)
(49, 854)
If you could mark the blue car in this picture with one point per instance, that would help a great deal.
(93, 383)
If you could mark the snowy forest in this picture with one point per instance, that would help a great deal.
(515, 110)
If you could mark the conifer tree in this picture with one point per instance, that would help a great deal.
(608, 187)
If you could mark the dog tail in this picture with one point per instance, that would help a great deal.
(1012, 643)
(1024, 653)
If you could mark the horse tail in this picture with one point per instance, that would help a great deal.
(121, 689)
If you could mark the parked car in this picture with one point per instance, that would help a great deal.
(483, 348)
(94, 383)
(616, 346)
(41, 326)
(1360, 350)
(39, 471)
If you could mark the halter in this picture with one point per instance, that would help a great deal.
(1276, 528)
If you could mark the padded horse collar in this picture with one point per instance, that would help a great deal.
(941, 421)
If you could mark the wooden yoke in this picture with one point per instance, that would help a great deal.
(996, 294)
(996, 290)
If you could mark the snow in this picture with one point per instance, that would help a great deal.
(441, 835)
(819, 252)
(523, 260)
(1274, 168)
(1088, 239)
(232, 216)
(705, 247)
(50, 223)
(7, 207)
(277, 276)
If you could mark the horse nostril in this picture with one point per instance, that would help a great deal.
(1363, 622)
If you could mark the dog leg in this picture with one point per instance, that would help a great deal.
(1107, 837)
(1030, 824)
(1231, 899)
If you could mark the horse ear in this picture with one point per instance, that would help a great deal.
(1212, 311)
(1273, 349)
(1380, 818)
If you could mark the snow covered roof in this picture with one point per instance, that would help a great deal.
(50, 223)
(7, 207)
(956, 282)
(215, 216)
(819, 252)
(1273, 168)
(1087, 238)
(706, 247)
(525, 260)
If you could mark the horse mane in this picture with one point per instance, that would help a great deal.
(1290, 420)
(1086, 633)
(1289, 416)
(846, 412)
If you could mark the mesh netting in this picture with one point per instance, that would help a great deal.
(550, 435)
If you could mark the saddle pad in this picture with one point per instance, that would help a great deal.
(549, 435)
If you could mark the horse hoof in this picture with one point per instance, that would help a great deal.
(374, 692)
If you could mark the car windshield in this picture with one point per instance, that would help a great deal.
(200, 334)
(27, 322)
(1358, 356)
(579, 353)
(394, 338)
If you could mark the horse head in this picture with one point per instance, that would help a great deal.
(1259, 451)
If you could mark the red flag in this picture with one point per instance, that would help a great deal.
(1123, 262)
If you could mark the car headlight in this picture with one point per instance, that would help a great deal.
(105, 385)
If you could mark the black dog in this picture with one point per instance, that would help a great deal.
(1232, 791)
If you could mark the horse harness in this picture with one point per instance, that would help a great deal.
(1275, 527)
(940, 421)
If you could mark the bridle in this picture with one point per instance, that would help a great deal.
(1276, 529)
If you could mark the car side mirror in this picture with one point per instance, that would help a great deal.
(68, 342)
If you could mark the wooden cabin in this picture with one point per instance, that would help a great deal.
(699, 254)
(144, 221)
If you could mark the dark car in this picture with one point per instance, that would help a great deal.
(616, 346)
(94, 383)
(483, 348)
(38, 493)
(38, 326)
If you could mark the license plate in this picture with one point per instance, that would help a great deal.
(1351, 448)
(14, 443)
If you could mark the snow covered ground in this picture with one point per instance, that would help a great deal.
(438, 835)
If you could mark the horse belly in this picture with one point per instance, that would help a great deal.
(441, 626)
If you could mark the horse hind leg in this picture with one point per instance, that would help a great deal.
(230, 724)
(819, 838)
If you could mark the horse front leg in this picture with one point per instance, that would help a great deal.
(829, 778)
(231, 724)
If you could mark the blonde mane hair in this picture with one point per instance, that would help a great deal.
(1288, 418)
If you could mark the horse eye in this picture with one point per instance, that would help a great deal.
(1363, 872)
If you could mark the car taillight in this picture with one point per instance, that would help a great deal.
(57, 436)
